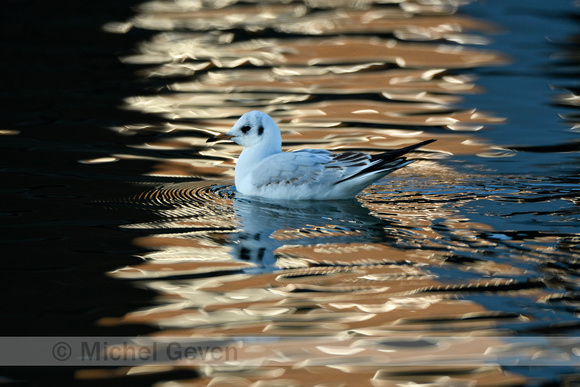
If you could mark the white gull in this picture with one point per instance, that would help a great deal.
(263, 170)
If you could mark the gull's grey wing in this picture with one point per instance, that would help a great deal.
(321, 167)
(308, 166)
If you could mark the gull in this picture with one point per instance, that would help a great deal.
(264, 171)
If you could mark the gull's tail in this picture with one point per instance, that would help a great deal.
(384, 163)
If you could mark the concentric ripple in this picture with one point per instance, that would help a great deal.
(186, 206)
(184, 195)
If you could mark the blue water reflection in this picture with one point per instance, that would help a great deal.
(540, 38)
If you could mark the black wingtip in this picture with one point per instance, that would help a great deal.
(389, 161)
(391, 155)
(415, 146)
(427, 141)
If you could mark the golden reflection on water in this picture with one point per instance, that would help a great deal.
(405, 88)
(346, 269)
(396, 263)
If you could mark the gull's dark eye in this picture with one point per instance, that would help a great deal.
(245, 129)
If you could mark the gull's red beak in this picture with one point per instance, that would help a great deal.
(219, 137)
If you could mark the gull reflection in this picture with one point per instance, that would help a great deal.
(266, 226)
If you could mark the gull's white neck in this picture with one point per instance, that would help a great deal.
(250, 158)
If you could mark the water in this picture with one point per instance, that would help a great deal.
(122, 221)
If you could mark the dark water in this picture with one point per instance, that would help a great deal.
(118, 219)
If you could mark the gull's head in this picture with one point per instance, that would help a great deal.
(254, 128)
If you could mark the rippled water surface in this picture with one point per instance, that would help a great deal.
(442, 264)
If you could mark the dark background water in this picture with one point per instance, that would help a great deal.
(62, 87)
